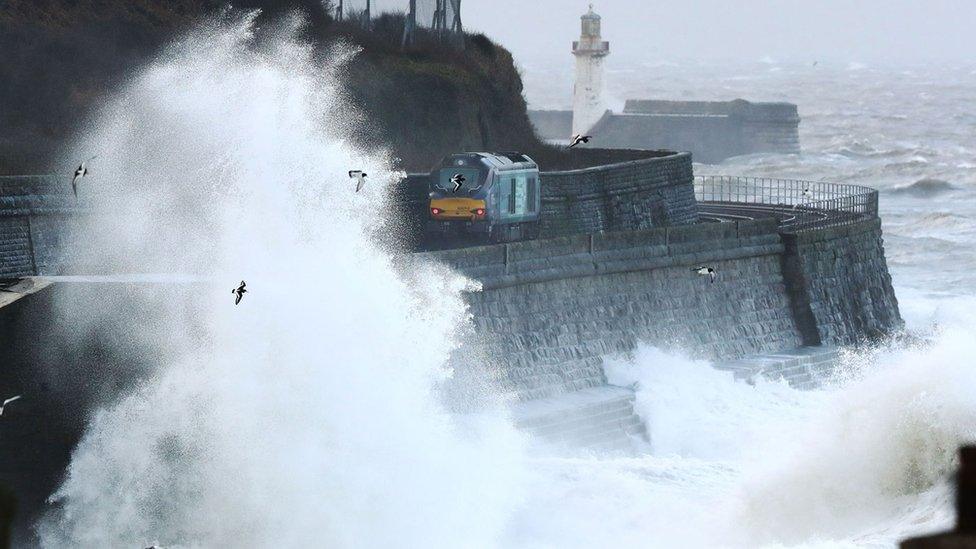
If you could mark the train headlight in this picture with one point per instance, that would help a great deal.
(435, 211)
(479, 212)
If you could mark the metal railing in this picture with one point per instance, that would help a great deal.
(800, 205)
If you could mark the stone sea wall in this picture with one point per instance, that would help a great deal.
(841, 282)
(551, 309)
(33, 212)
(655, 191)
(640, 194)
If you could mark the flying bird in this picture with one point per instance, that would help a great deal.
(8, 401)
(239, 292)
(359, 176)
(706, 271)
(458, 180)
(807, 193)
(80, 172)
(577, 139)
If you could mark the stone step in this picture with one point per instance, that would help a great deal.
(596, 418)
(802, 368)
(573, 421)
(591, 427)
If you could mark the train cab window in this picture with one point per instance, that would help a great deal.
(473, 181)
(530, 195)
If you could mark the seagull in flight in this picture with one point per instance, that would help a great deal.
(458, 180)
(359, 176)
(80, 172)
(706, 271)
(578, 138)
(8, 401)
(807, 193)
(239, 291)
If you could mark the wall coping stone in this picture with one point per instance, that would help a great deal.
(626, 163)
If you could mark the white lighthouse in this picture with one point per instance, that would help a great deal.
(588, 89)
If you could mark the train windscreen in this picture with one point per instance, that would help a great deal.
(473, 181)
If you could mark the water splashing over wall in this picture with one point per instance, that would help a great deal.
(308, 414)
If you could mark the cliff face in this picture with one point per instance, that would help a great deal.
(425, 105)
(62, 57)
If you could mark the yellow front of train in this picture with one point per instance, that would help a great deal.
(459, 198)
(464, 209)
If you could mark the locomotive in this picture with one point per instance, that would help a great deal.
(495, 196)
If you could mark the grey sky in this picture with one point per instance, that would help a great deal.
(892, 31)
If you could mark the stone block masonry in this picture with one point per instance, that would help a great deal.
(16, 255)
(33, 213)
(803, 368)
(599, 418)
(550, 310)
(640, 194)
(840, 282)
(654, 191)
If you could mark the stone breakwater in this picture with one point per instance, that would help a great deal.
(549, 310)
(745, 126)
(710, 130)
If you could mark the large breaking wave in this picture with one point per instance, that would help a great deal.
(308, 415)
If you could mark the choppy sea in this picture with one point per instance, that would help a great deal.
(863, 462)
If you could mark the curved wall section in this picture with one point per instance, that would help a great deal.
(640, 194)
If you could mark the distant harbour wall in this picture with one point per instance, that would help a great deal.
(711, 130)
